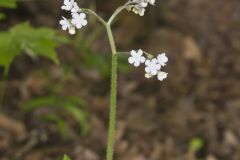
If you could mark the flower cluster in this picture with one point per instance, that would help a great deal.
(78, 19)
(152, 65)
(140, 5)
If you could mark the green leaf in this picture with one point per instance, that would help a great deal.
(196, 144)
(80, 116)
(65, 157)
(40, 103)
(9, 49)
(2, 16)
(52, 101)
(37, 41)
(8, 3)
(71, 106)
(23, 38)
(59, 121)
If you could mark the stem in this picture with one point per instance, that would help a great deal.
(113, 96)
(91, 12)
(150, 56)
(111, 40)
(117, 11)
(124, 53)
(113, 101)
(113, 108)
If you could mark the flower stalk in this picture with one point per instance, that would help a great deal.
(94, 14)
(113, 101)
(117, 11)
(113, 109)
(153, 65)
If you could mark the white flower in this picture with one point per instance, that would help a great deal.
(143, 3)
(162, 59)
(152, 2)
(147, 75)
(72, 30)
(79, 20)
(138, 9)
(152, 67)
(68, 5)
(162, 75)
(140, 5)
(66, 24)
(136, 58)
(75, 8)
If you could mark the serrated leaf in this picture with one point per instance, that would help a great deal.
(8, 3)
(39, 41)
(35, 42)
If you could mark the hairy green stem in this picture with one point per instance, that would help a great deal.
(91, 12)
(123, 53)
(113, 101)
(111, 40)
(118, 10)
(113, 96)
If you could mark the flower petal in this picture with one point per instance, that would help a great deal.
(82, 15)
(162, 75)
(147, 69)
(158, 66)
(153, 72)
(133, 53)
(137, 63)
(72, 30)
(79, 26)
(154, 60)
(147, 62)
(140, 52)
(131, 60)
(84, 22)
(147, 75)
(142, 59)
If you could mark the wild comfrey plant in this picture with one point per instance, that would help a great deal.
(137, 57)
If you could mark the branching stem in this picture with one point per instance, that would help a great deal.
(113, 96)
(91, 12)
(119, 10)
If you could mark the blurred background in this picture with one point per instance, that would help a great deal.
(48, 110)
